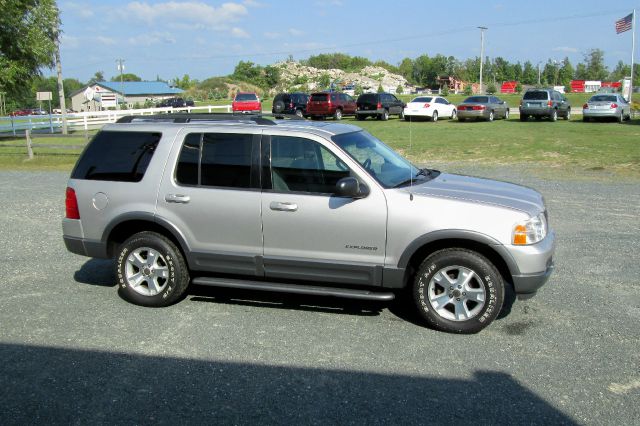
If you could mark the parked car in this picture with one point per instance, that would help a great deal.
(189, 103)
(540, 103)
(606, 105)
(21, 112)
(429, 107)
(290, 103)
(330, 211)
(379, 105)
(485, 107)
(330, 104)
(246, 102)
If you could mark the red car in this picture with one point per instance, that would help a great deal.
(21, 112)
(246, 102)
(331, 104)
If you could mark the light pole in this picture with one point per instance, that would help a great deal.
(121, 69)
(539, 72)
(481, 54)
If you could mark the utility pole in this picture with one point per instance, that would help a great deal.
(63, 101)
(539, 72)
(481, 54)
(121, 69)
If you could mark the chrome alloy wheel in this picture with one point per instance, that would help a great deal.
(146, 271)
(456, 293)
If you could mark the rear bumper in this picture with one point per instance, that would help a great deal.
(472, 114)
(539, 112)
(369, 112)
(600, 113)
(85, 247)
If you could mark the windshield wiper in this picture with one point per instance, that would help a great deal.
(427, 173)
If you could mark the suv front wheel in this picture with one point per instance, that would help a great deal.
(151, 270)
(458, 291)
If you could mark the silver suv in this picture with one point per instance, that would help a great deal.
(541, 103)
(300, 207)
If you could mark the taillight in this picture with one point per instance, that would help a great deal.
(585, 106)
(71, 204)
(291, 105)
(479, 107)
(549, 103)
(426, 105)
(614, 106)
(379, 106)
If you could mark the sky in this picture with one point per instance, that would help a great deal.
(168, 39)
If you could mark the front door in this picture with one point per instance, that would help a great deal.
(309, 233)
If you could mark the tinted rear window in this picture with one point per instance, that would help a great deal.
(117, 156)
(246, 97)
(369, 97)
(477, 100)
(319, 97)
(603, 98)
(536, 96)
(422, 99)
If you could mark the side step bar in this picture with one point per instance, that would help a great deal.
(294, 288)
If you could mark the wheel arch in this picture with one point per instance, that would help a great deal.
(131, 223)
(427, 244)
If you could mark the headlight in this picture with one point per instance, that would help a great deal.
(530, 231)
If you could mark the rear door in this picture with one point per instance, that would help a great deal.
(309, 233)
(212, 196)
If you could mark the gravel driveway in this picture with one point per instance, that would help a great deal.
(73, 352)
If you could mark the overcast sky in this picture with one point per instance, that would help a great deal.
(207, 38)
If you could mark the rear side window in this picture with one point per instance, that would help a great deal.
(536, 96)
(117, 156)
(319, 97)
(216, 159)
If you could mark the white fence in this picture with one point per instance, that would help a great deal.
(89, 120)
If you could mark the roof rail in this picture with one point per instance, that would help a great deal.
(196, 117)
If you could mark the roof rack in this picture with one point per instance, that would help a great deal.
(197, 117)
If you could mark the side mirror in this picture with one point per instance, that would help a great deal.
(350, 187)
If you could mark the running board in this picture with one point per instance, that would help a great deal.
(294, 288)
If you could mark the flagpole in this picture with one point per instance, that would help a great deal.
(633, 48)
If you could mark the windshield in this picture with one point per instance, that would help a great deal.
(381, 162)
(476, 100)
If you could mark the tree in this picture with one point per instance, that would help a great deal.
(184, 83)
(28, 33)
(519, 88)
(529, 74)
(271, 76)
(620, 71)
(380, 89)
(594, 65)
(565, 74)
(405, 68)
(399, 89)
(324, 81)
(491, 88)
(98, 76)
(126, 77)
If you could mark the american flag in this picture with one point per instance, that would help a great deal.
(624, 24)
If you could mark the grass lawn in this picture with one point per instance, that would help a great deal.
(560, 148)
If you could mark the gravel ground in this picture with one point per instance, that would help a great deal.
(73, 352)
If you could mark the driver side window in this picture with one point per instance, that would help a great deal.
(303, 165)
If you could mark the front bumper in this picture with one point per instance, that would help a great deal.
(532, 265)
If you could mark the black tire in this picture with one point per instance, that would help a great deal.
(278, 107)
(299, 113)
(491, 116)
(385, 115)
(337, 115)
(487, 279)
(621, 118)
(434, 117)
(360, 117)
(585, 119)
(567, 116)
(407, 118)
(461, 119)
(506, 114)
(554, 115)
(172, 287)
(454, 114)
(401, 115)
(523, 117)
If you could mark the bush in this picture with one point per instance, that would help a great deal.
(468, 91)
(399, 89)
(491, 89)
(518, 88)
(380, 89)
(445, 90)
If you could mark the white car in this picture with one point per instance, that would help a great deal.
(431, 107)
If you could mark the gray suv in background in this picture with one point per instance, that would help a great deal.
(300, 207)
(547, 103)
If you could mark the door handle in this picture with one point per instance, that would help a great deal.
(283, 207)
(177, 198)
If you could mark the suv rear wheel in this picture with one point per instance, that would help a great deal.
(458, 291)
(151, 270)
(338, 114)
(554, 115)
(385, 115)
